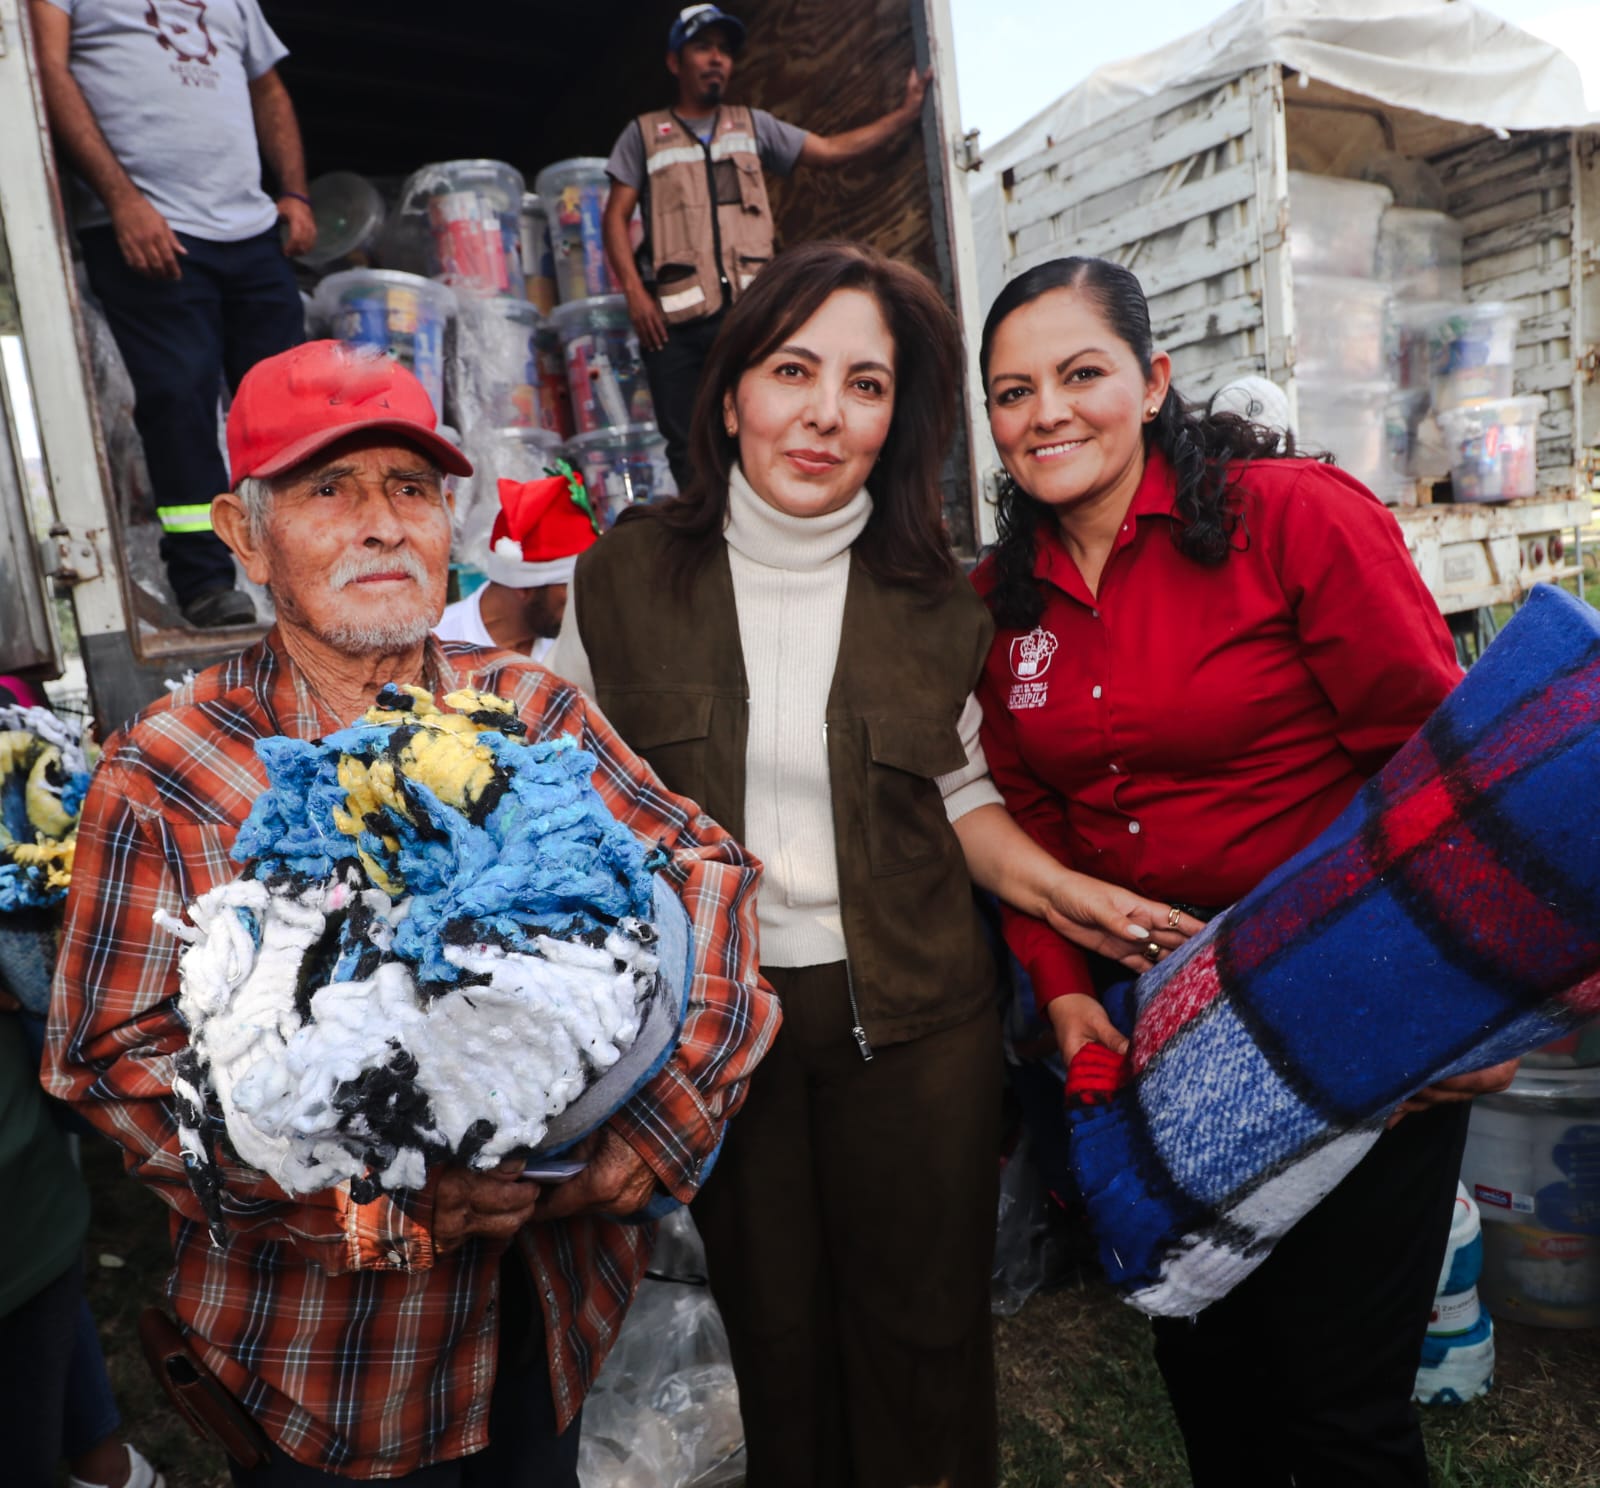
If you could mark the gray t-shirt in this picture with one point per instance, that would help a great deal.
(168, 81)
(776, 143)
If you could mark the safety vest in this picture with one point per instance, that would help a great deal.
(709, 219)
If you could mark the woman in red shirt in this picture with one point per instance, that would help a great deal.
(1202, 651)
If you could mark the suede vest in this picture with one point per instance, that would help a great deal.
(669, 674)
(705, 251)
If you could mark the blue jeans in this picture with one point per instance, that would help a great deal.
(235, 305)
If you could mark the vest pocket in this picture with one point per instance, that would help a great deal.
(670, 730)
(906, 822)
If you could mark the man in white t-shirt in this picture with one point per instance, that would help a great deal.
(542, 527)
(165, 110)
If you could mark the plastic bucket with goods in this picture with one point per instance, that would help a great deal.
(1343, 329)
(401, 314)
(622, 468)
(350, 215)
(1533, 1165)
(474, 214)
(1419, 254)
(574, 193)
(1333, 224)
(494, 373)
(1474, 353)
(1494, 448)
(1350, 421)
(538, 258)
(1414, 331)
(604, 369)
(555, 396)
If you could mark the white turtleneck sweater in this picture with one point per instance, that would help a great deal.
(789, 580)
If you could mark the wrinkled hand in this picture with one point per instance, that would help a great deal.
(297, 217)
(495, 1204)
(648, 321)
(916, 90)
(617, 1181)
(1078, 1020)
(147, 240)
(1458, 1088)
(1113, 922)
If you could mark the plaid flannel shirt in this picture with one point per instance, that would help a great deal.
(357, 1347)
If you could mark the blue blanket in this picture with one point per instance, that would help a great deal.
(1447, 921)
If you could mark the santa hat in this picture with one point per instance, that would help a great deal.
(542, 527)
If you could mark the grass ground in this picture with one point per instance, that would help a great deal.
(1080, 1400)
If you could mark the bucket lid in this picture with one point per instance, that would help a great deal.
(1463, 418)
(552, 178)
(617, 437)
(530, 434)
(1537, 1088)
(503, 307)
(464, 175)
(333, 290)
(571, 318)
(349, 212)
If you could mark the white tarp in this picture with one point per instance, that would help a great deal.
(1441, 57)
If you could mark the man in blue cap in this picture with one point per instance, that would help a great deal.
(698, 169)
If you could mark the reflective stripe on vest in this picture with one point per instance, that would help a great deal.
(185, 518)
(687, 299)
(680, 155)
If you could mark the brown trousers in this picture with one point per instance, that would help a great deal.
(849, 1230)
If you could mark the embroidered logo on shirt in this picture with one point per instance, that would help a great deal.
(1030, 658)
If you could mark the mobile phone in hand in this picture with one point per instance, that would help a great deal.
(553, 1169)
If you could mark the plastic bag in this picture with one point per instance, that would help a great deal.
(665, 1411)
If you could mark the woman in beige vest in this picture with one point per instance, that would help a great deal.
(791, 646)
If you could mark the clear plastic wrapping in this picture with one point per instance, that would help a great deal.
(492, 372)
(665, 1411)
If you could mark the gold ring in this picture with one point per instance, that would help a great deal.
(1152, 952)
(1174, 914)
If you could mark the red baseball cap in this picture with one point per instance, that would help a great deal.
(304, 399)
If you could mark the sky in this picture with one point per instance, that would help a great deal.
(1014, 57)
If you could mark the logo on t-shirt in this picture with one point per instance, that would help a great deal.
(1030, 658)
(180, 27)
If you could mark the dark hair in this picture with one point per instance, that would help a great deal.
(904, 540)
(1201, 447)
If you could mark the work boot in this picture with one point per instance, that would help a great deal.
(219, 607)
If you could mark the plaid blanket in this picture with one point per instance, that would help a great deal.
(1448, 920)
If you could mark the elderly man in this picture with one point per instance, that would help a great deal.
(444, 1335)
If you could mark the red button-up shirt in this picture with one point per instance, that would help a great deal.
(360, 1348)
(1187, 729)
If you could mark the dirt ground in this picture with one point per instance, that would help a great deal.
(1081, 1403)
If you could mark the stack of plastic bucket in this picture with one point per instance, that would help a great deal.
(1533, 1164)
(1458, 1352)
(616, 446)
(574, 196)
(403, 315)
